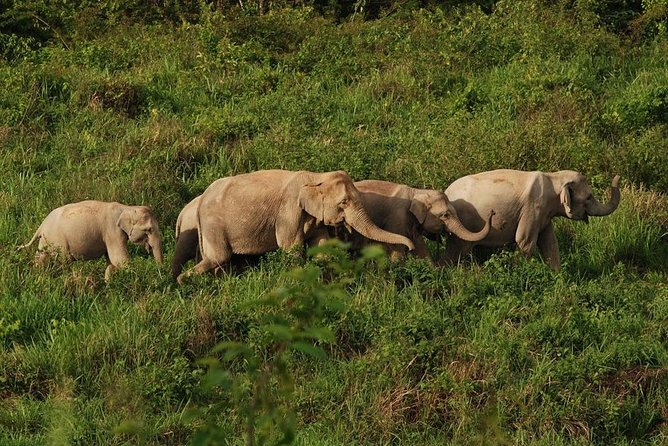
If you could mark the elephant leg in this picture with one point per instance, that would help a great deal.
(109, 271)
(291, 241)
(526, 236)
(215, 253)
(204, 266)
(186, 249)
(288, 240)
(319, 238)
(42, 258)
(117, 256)
(214, 260)
(395, 254)
(548, 247)
(421, 249)
(455, 250)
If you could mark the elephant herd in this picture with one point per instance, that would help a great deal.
(262, 211)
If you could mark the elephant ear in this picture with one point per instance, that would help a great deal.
(419, 208)
(125, 221)
(565, 197)
(312, 201)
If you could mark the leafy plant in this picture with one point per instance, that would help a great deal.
(254, 377)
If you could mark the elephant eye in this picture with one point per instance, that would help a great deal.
(344, 202)
(149, 230)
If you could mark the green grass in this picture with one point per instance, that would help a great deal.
(499, 350)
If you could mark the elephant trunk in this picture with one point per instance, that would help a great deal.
(455, 226)
(155, 243)
(359, 220)
(596, 209)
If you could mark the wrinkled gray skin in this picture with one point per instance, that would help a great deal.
(412, 213)
(187, 241)
(525, 204)
(263, 211)
(92, 229)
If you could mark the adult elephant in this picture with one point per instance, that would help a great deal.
(91, 229)
(525, 204)
(187, 241)
(262, 211)
(412, 213)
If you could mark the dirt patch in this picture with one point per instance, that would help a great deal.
(634, 380)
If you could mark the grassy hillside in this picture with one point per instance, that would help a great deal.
(497, 351)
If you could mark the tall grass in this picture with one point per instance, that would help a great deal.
(499, 349)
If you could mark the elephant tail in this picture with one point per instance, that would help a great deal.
(177, 230)
(37, 235)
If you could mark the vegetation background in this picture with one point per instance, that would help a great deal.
(149, 102)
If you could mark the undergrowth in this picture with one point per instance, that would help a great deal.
(498, 350)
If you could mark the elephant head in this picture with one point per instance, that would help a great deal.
(141, 227)
(578, 201)
(333, 200)
(435, 213)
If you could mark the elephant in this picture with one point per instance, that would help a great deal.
(187, 242)
(525, 203)
(90, 229)
(262, 211)
(412, 213)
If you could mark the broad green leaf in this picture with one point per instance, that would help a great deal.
(320, 333)
(279, 332)
(216, 378)
(309, 349)
(228, 345)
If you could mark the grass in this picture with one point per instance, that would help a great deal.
(498, 350)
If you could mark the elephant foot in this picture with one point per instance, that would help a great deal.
(396, 255)
(184, 276)
(107, 273)
(41, 259)
(181, 279)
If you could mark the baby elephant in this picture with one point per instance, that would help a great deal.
(89, 229)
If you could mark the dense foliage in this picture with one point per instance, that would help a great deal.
(148, 102)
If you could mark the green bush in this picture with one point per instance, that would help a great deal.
(149, 103)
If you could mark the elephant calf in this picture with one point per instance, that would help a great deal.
(90, 229)
(412, 213)
(525, 203)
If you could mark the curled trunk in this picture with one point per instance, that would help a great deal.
(455, 226)
(596, 209)
(360, 221)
